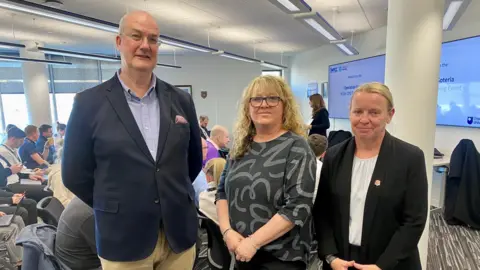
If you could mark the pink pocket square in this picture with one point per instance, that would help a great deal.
(180, 120)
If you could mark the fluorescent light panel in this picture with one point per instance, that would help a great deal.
(271, 65)
(292, 6)
(186, 46)
(167, 66)
(9, 45)
(21, 59)
(453, 12)
(238, 57)
(347, 49)
(319, 24)
(32, 9)
(91, 56)
(79, 55)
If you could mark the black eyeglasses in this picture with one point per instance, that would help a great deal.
(270, 101)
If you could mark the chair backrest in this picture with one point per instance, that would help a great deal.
(38, 241)
(50, 209)
(338, 136)
(218, 255)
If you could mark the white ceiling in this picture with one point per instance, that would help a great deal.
(236, 26)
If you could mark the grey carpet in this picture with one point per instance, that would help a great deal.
(452, 247)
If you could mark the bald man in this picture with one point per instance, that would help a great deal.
(132, 150)
(219, 139)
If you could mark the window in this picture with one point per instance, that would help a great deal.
(15, 109)
(64, 106)
(13, 100)
(278, 73)
(109, 69)
(69, 80)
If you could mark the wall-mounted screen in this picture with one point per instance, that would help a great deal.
(458, 102)
(344, 78)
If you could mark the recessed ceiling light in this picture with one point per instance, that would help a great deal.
(53, 3)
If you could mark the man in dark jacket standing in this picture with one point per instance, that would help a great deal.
(132, 150)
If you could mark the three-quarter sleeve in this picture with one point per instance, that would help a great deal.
(221, 195)
(299, 182)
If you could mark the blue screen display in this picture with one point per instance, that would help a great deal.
(344, 78)
(458, 101)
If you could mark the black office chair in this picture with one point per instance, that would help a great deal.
(219, 257)
(49, 210)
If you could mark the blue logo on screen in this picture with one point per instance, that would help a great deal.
(470, 120)
(338, 69)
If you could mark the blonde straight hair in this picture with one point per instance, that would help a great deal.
(215, 168)
(375, 88)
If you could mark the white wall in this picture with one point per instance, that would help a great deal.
(313, 66)
(223, 79)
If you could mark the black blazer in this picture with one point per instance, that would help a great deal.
(320, 123)
(395, 211)
(107, 164)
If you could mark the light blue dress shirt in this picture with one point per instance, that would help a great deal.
(146, 111)
(200, 184)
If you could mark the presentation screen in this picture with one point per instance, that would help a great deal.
(344, 78)
(458, 102)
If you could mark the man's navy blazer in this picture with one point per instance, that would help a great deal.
(107, 164)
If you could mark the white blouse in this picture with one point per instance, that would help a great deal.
(362, 172)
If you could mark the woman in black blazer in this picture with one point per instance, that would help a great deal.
(372, 203)
(320, 122)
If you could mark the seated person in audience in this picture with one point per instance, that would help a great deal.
(32, 158)
(11, 167)
(27, 210)
(9, 126)
(61, 128)
(46, 135)
(55, 183)
(213, 170)
(8, 236)
(318, 144)
(217, 142)
(75, 240)
(200, 183)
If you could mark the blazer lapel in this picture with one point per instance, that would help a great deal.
(116, 96)
(344, 188)
(384, 159)
(164, 99)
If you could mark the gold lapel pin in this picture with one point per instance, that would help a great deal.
(377, 182)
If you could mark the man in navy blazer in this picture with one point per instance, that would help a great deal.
(131, 151)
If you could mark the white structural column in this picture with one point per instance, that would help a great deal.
(414, 37)
(35, 84)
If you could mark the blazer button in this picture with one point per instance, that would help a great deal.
(158, 169)
(157, 201)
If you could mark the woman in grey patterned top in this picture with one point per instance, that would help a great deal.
(264, 200)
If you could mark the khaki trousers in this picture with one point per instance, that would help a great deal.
(162, 258)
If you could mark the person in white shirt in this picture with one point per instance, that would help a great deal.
(318, 144)
(9, 158)
(213, 170)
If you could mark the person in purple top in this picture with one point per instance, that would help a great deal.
(219, 138)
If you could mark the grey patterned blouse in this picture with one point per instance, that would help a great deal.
(275, 177)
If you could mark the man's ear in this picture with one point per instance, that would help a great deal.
(118, 42)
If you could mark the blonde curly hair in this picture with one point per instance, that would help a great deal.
(244, 129)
